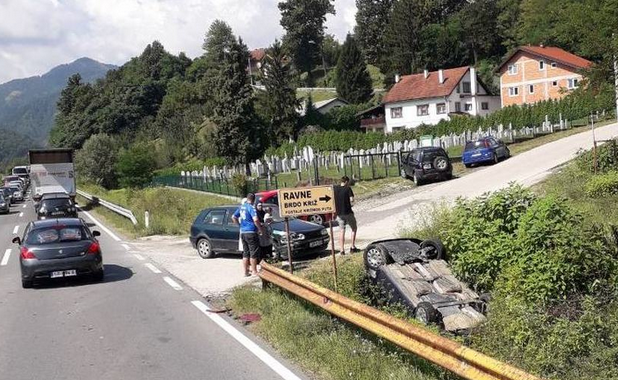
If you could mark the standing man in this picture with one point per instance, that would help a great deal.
(344, 197)
(250, 229)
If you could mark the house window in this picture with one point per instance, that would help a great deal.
(396, 129)
(541, 65)
(441, 108)
(422, 110)
(485, 106)
(531, 89)
(396, 113)
(513, 69)
(572, 83)
(513, 91)
(457, 107)
(466, 87)
(554, 65)
(554, 83)
(458, 90)
(468, 107)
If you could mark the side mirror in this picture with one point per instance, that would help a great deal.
(17, 240)
(96, 233)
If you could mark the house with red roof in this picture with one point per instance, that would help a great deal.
(534, 73)
(429, 97)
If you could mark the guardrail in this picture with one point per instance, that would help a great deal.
(460, 360)
(113, 207)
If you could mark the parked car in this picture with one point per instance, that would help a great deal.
(8, 195)
(413, 273)
(426, 164)
(59, 248)
(18, 195)
(5, 206)
(214, 231)
(56, 205)
(486, 149)
(272, 197)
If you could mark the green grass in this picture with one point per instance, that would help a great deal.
(171, 210)
(316, 95)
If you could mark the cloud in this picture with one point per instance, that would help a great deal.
(36, 35)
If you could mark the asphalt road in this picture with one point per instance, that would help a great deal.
(137, 324)
(386, 217)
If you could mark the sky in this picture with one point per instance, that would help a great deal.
(37, 35)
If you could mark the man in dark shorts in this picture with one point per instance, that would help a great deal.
(344, 197)
(250, 229)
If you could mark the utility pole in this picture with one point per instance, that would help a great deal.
(615, 43)
(594, 145)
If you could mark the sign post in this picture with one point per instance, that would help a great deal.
(302, 201)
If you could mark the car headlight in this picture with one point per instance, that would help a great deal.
(42, 210)
(2, 204)
(293, 235)
(324, 231)
(426, 166)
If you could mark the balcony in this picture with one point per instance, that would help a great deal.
(371, 121)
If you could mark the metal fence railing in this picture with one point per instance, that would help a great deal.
(216, 185)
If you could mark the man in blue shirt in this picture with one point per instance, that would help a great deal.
(250, 229)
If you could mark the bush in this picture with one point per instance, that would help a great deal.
(603, 185)
(239, 182)
(135, 167)
(607, 158)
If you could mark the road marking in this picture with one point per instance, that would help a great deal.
(152, 268)
(15, 229)
(21, 214)
(139, 257)
(101, 226)
(126, 246)
(256, 350)
(24, 206)
(5, 258)
(172, 283)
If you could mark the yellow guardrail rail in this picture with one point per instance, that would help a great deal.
(461, 360)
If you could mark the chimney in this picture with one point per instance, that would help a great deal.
(397, 78)
(473, 80)
(441, 76)
(426, 72)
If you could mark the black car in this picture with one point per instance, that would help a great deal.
(8, 195)
(426, 164)
(59, 248)
(5, 206)
(215, 232)
(56, 205)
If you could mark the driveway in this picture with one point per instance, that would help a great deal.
(385, 217)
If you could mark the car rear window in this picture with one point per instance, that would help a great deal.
(20, 171)
(51, 235)
(475, 145)
(50, 203)
(429, 156)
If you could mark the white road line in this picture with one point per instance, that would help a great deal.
(256, 350)
(21, 214)
(126, 246)
(172, 283)
(152, 268)
(24, 206)
(15, 229)
(101, 226)
(5, 258)
(139, 257)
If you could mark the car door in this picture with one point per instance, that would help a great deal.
(231, 232)
(498, 148)
(213, 227)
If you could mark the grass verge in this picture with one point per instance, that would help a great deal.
(171, 210)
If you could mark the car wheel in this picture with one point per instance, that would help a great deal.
(440, 163)
(376, 256)
(496, 160)
(483, 306)
(404, 175)
(418, 181)
(468, 165)
(27, 284)
(507, 153)
(435, 249)
(426, 313)
(204, 249)
(317, 219)
(98, 276)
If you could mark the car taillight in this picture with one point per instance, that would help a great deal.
(93, 249)
(26, 254)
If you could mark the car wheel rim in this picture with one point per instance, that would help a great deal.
(441, 164)
(374, 258)
(316, 219)
(421, 315)
(204, 248)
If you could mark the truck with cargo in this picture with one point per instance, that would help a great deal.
(52, 171)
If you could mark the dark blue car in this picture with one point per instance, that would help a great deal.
(484, 150)
(214, 231)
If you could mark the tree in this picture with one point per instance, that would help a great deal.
(353, 80)
(508, 17)
(480, 29)
(96, 161)
(238, 136)
(303, 21)
(135, 166)
(219, 40)
(371, 16)
(280, 97)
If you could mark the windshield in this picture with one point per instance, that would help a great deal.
(56, 234)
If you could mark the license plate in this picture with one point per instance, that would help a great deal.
(315, 244)
(476, 155)
(64, 273)
(57, 213)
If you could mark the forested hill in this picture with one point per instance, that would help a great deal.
(27, 106)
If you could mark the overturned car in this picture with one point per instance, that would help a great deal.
(413, 273)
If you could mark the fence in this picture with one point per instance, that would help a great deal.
(110, 206)
(223, 186)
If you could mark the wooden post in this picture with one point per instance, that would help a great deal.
(289, 243)
(332, 248)
(594, 145)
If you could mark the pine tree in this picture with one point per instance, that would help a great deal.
(371, 16)
(353, 80)
(280, 97)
